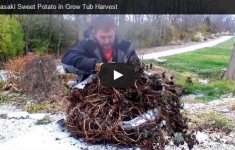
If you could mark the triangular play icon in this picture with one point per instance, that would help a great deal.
(116, 75)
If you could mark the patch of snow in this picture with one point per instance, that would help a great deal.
(25, 134)
(60, 69)
(57, 117)
(52, 137)
(224, 111)
(203, 81)
(38, 116)
(201, 137)
(148, 73)
(9, 108)
(18, 115)
(191, 96)
(194, 106)
(3, 114)
(221, 101)
(12, 128)
(230, 95)
(3, 76)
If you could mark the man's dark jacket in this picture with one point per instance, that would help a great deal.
(82, 58)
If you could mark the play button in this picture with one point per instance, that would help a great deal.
(116, 75)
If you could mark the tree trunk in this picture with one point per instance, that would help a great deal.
(50, 33)
(164, 37)
(27, 34)
(49, 40)
(230, 74)
(160, 32)
(60, 36)
(122, 24)
(20, 18)
(78, 23)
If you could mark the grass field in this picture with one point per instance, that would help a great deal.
(208, 63)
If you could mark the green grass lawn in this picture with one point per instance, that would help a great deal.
(208, 63)
(228, 44)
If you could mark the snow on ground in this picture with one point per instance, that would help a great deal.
(60, 69)
(24, 134)
(215, 140)
(153, 56)
(3, 77)
(221, 105)
(12, 128)
(49, 137)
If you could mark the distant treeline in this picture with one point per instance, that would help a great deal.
(53, 34)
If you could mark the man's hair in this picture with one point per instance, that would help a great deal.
(103, 22)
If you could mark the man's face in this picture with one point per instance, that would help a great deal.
(105, 37)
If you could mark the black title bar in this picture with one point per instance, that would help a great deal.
(117, 7)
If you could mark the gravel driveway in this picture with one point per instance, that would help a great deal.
(184, 49)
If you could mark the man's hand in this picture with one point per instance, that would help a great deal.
(98, 66)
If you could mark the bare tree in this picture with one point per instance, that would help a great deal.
(29, 17)
(60, 34)
(230, 74)
(50, 31)
(78, 21)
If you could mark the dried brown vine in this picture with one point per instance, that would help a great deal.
(95, 113)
